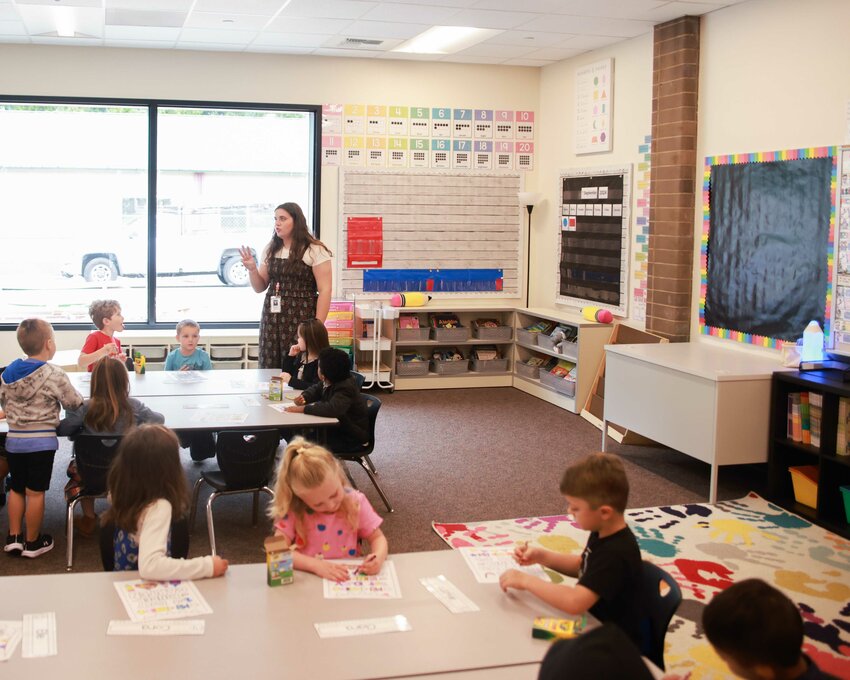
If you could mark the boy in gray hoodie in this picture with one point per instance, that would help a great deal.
(31, 391)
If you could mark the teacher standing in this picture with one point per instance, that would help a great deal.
(295, 271)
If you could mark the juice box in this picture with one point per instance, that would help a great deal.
(278, 561)
(276, 388)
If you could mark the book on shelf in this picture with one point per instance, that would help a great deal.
(410, 356)
(805, 410)
(841, 445)
(805, 422)
(408, 321)
(486, 352)
(541, 327)
(564, 369)
(545, 363)
(443, 320)
(447, 354)
(486, 323)
(815, 415)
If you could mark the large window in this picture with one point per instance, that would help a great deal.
(96, 197)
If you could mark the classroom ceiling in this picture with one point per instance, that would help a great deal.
(531, 32)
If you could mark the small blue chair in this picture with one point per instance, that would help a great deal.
(660, 608)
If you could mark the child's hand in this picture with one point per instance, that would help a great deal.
(299, 401)
(219, 566)
(513, 578)
(293, 351)
(110, 349)
(333, 571)
(371, 565)
(185, 367)
(286, 377)
(524, 554)
(295, 409)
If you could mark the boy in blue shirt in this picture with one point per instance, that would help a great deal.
(189, 357)
(610, 569)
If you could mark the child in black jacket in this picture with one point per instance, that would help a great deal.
(337, 396)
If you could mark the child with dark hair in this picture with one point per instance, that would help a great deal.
(337, 396)
(758, 632)
(301, 365)
(610, 568)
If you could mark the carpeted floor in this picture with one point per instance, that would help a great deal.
(447, 454)
(706, 549)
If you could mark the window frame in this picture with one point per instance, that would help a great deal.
(153, 106)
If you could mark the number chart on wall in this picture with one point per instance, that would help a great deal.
(438, 137)
(456, 233)
(593, 239)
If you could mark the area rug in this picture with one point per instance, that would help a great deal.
(706, 548)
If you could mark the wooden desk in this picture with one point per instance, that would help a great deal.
(172, 383)
(257, 631)
(217, 411)
(711, 403)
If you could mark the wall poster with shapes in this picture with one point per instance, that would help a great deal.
(504, 124)
(354, 119)
(594, 100)
(483, 155)
(483, 128)
(525, 124)
(593, 242)
(440, 154)
(376, 119)
(462, 154)
(355, 151)
(398, 118)
(767, 246)
(420, 121)
(841, 299)
(397, 156)
(504, 153)
(462, 124)
(331, 149)
(331, 119)
(441, 123)
(524, 152)
(419, 152)
(376, 152)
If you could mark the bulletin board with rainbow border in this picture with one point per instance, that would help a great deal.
(440, 232)
(767, 249)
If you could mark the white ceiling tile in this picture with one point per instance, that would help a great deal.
(481, 18)
(383, 29)
(226, 22)
(471, 59)
(288, 24)
(140, 44)
(339, 9)
(206, 35)
(12, 28)
(75, 42)
(554, 53)
(527, 62)
(154, 18)
(272, 49)
(622, 9)
(209, 47)
(408, 56)
(589, 42)
(265, 8)
(674, 10)
(62, 3)
(487, 49)
(538, 6)
(141, 33)
(423, 14)
(622, 28)
(8, 13)
(151, 5)
(290, 40)
(530, 38)
(41, 19)
(354, 54)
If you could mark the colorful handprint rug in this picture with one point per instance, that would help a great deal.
(707, 548)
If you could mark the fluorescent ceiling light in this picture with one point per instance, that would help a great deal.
(446, 39)
(64, 22)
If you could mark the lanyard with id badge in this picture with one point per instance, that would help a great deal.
(274, 300)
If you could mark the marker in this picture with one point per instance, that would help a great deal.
(370, 558)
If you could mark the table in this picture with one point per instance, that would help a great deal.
(218, 412)
(711, 403)
(257, 631)
(171, 383)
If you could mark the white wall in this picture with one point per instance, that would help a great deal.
(218, 76)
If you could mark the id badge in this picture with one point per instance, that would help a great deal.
(274, 304)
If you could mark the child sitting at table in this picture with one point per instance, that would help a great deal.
(301, 365)
(109, 410)
(321, 517)
(337, 396)
(610, 568)
(107, 318)
(147, 486)
(189, 357)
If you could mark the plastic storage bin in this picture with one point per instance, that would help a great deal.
(227, 364)
(412, 334)
(459, 334)
(152, 352)
(449, 367)
(253, 352)
(845, 491)
(546, 341)
(405, 368)
(226, 352)
(498, 333)
(567, 387)
(805, 481)
(489, 365)
(528, 371)
(526, 337)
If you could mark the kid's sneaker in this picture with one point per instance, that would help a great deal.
(14, 543)
(39, 546)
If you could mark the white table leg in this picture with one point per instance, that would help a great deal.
(604, 433)
(712, 489)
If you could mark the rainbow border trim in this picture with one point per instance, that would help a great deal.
(764, 157)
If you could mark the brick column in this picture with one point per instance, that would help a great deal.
(672, 184)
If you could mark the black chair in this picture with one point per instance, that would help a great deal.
(94, 454)
(179, 542)
(361, 454)
(359, 378)
(660, 607)
(246, 462)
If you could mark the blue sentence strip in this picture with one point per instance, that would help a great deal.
(428, 280)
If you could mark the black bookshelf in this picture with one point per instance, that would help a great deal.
(834, 470)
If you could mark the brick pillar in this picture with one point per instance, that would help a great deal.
(672, 183)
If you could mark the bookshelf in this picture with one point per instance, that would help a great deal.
(784, 452)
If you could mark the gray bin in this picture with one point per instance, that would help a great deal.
(566, 387)
(449, 367)
(412, 334)
(527, 371)
(526, 337)
(405, 368)
(498, 333)
(459, 334)
(489, 365)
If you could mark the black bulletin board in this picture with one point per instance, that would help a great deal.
(593, 244)
(766, 256)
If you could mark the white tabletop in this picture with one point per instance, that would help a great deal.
(169, 383)
(229, 412)
(704, 360)
(258, 631)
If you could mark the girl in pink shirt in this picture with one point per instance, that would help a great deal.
(321, 517)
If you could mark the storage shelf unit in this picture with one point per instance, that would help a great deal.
(227, 349)
(834, 470)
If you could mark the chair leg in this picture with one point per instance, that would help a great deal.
(69, 534)
(370, 464)
(210, 527)
(256, 505)
(194, 511)
(377, 486)
(348, 474)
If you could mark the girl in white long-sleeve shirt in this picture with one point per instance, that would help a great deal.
(148, 487)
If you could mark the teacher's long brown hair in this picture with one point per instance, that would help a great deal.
(301, 236)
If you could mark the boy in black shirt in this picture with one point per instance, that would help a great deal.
(610, 568)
